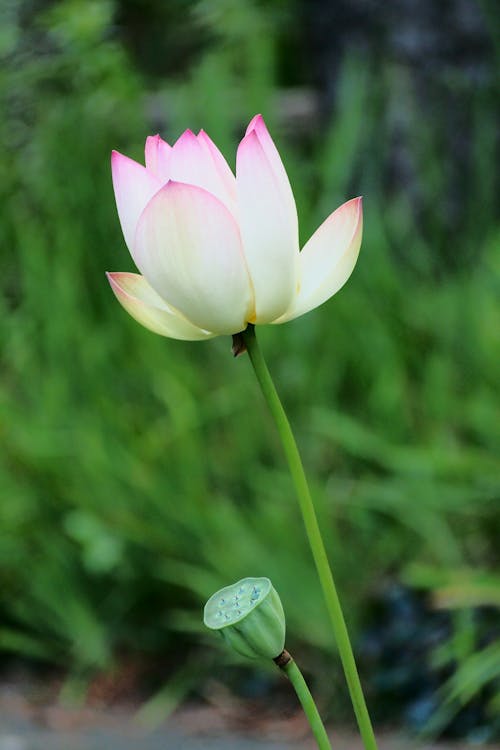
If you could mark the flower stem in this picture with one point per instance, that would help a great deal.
(289, 667)
(314, 536)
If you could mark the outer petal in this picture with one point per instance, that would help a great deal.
(258, 126)
(188, 247)
(328, 258)
(193, 163)
(157, 155)
(142, 302)
(268, 226)
(134, 187)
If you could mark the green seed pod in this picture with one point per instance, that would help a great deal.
(249, 616)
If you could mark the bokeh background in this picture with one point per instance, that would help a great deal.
(139, 474)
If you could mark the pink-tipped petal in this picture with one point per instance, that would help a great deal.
(134, 187)
(188, 247)
(221, 165)
(269, 230)
(258, 126)
(141, 301)
(193, 163)
(328, 258)
(256, 119)
(157, 155)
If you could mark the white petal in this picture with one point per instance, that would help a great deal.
(221, 165)
(328, 258)
(188, 247)
(157, 155)
(269, 229)
(258, 126)
(141, 301)
(134, 187)
(192, 162)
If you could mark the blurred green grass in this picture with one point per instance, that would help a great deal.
(140, 474)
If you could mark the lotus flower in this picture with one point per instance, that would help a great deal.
(217, 252)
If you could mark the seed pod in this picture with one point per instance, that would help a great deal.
(249, 616)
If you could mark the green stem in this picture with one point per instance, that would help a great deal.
(314, 536)
(290, 668)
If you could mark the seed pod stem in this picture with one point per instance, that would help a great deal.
(289, 667)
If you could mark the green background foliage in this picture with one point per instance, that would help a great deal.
(139, 474)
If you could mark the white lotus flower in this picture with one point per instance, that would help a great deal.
(215, 251)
